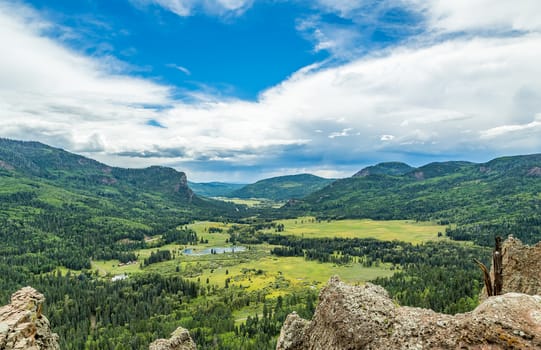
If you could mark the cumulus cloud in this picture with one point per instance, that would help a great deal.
(480, 15)
(401, 20)
(467, 94)
(447, 16)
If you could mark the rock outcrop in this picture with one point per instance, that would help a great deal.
(23, 326)
(521, 267)
(364, 317)
(180, 340)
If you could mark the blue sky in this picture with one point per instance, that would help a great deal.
(228, 55)
(238, 90)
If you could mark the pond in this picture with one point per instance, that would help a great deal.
(215, 250)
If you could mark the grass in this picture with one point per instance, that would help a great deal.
(242, 314)
(256, 269)
(252, 202)
(280, 275)
(403, 230)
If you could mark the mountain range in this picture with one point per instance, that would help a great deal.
(502, 196)
(503, 193)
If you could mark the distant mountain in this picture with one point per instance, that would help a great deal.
(387, 168)
(439, 169)
(214, 189)
(282, 187)
(67, 170)
(502, 193)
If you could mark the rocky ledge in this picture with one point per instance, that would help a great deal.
(22, 326)
(364, 317)
(521, 267)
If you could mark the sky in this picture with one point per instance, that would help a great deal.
(240, 90)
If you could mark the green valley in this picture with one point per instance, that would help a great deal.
(124, 256)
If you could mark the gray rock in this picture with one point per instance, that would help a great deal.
(364, 317)
(22, 325)
(180, 340)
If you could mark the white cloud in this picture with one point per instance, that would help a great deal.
(185, 8)
(343, 133)
(448, 16)
(480, 15)
(340, 40)
(344, 8)
(425, 97)
(181, 68)
(533, 126)
(435, 19)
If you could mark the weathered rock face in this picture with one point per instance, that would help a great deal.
(22, 326)
(521, 267)
(180, 340)
(353, 317)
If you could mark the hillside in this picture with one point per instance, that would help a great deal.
(387, 168)
(503, 194)
(214, 189)
(58, 208)
(282, 187)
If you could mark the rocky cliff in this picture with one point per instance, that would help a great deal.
(22, 325)
(364, 317)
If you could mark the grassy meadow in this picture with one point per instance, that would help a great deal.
(256, 269)
(402, 230)
(252, 202)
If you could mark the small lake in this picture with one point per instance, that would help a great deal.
(217, 250)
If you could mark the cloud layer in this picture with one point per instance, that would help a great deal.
(475, 94)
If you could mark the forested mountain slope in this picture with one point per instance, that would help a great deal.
(214, 189)
(283, 187)
(58, 208)
(502, 196)
(387, 168)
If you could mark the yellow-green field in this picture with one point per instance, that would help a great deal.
(257, 269)
(252, 202)
(285, 273)
(402, 230)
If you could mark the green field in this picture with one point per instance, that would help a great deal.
(252, 202)
(402, 230)
(256, 268)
